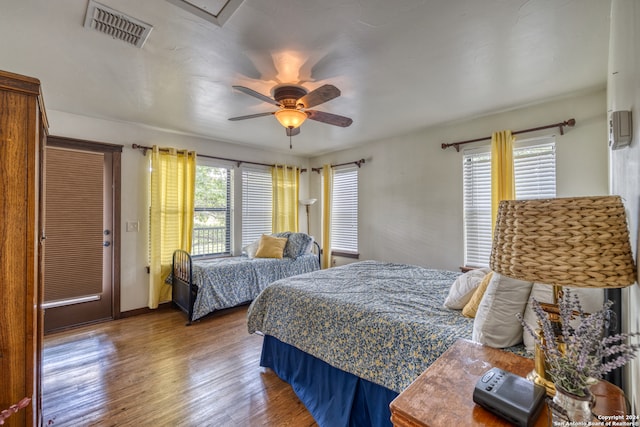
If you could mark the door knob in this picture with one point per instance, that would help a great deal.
(106, 244)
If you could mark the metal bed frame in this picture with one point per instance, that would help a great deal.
(184, 291)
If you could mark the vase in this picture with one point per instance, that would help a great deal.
(567, 407)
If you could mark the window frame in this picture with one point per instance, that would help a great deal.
(481, 228)
(263, 180)
(345, 198)
(228, 210)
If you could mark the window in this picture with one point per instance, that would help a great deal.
(212, 216)
(257, 198)
(535, 176)
(344, 212)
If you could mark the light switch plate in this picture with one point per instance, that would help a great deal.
(133, 226)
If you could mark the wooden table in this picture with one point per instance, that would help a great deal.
(443, 394)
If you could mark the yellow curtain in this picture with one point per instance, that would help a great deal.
(286, 180)
(173, 180)
(327, 185)
(503, 186)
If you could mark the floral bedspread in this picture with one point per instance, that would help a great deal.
(383, 322)
(228, 282)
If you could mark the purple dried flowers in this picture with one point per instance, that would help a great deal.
(580, 354)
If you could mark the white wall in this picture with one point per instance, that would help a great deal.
(410, 190)
(623, 93)
(134, 279)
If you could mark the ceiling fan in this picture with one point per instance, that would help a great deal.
(294, 102)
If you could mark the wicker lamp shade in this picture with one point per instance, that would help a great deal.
(580, 242)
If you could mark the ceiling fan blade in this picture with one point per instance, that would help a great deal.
(292, 132)
(258, 95)
(320, 95)
(251, 116)
(332, 119)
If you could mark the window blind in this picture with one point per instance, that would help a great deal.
(535, 170)
(535, 178)
(477, 208)
(75, 226)
(257, 203)
(344, 210)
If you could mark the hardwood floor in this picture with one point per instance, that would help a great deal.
(152, 370)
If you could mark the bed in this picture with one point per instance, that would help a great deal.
(349, 339)
(200, 287)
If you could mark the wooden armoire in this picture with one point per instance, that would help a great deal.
(23, 131)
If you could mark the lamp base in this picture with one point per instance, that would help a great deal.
(539, 374)
(536, 378)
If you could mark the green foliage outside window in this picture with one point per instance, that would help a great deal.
(212, 211)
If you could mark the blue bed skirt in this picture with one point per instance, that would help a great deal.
(334, 397)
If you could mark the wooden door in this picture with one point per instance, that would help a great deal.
(79, 284)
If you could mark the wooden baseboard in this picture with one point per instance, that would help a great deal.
(145, 310)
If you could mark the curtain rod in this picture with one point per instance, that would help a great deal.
(561, 125)
(357, 163)
(144, 149)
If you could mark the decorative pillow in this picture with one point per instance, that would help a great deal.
(471, 307)
(496, 324)
(297, 245)
(271, 247)
(463, 288)
(591, 300)
(250, 249)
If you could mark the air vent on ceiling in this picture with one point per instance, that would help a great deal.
(116, 24)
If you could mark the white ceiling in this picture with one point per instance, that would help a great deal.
(401, 65)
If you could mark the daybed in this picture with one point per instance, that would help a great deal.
(349, 339)
(203, 286)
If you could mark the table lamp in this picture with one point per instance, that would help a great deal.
(575, 242)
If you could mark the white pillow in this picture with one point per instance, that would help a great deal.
(251, 249)
(542, 293)
(463, 287)
(591, 300)
(496, 324)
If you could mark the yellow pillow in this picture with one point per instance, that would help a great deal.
(471, 307)
(271, 247)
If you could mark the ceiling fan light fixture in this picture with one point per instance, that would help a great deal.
(290, 118)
